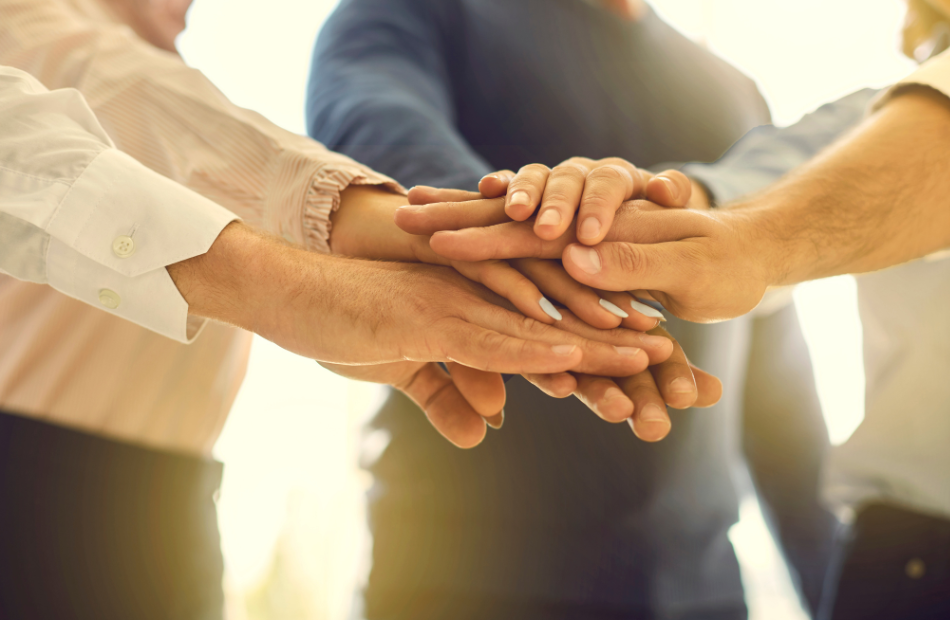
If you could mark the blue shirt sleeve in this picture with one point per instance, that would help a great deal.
(767, 153)
(380, 92)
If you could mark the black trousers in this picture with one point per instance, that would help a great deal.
(98, 529)
(894, 564)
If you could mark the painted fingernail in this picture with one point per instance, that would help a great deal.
(496, 421)
(550, 217)
(564, 349)
(682, 385)
(612, 393)
(628, 351)
(613, 309)
(671, 186)
(519, 198)
(590, 228)
(652, 413)
(588, 260)
(646, 310)
(549, 309)
(650, 340)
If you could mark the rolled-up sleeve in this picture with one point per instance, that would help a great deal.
(89, 220)
(172, 119)
(934, 73)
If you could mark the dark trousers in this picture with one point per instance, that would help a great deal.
(97, 529)
(893, 564)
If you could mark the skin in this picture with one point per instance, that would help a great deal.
(389, 322)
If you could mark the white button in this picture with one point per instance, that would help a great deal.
(123, 246)
(109, 299)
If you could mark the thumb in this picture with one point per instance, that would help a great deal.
(621, 266)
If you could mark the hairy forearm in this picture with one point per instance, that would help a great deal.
(875, 199)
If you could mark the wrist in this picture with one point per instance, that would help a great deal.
(364, 225)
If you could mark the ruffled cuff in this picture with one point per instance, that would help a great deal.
(300, 212)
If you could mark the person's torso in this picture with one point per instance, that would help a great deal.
(899, 453)
(545, 80)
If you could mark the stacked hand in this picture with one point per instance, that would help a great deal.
(594, 190)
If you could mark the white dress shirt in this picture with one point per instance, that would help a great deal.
(87, 219)
(69, 363)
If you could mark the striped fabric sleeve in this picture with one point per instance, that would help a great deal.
(171, 118)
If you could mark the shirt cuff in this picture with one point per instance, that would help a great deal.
(302, 210)
(934, 73)
(117, 229)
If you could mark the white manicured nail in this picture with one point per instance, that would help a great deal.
(549, 309)
(646, 310)
(613, 309)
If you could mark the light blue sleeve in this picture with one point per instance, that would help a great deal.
(767, 153)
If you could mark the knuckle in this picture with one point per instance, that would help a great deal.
(532, 170)
(630, 258)
(571, 169)
(613, 174)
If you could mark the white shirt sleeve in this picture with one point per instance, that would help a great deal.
(934, 73)
(88, 220)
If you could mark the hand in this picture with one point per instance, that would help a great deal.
(637, 399)
(353, 312)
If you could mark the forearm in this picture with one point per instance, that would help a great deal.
(875, 199)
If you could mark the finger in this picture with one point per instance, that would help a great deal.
(430, 218)
(560, 385)
(671, 188)
(508, 282)
(561, 197)
(641, 221)
(650, 421)
(502, 341)
(657, 348)
(634, 315)
(603, 397)
(607, 188)
(525, 190)
(495, 185)
(663, 267)
(674, 377)
(447, 409)
(709, 387)
(484, 391)
(423, 195)
(556, 284)
(502, 241)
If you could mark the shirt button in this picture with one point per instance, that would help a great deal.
(916, 568)
(109, 299)
(123, 246)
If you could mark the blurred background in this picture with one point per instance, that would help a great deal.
(291, 509)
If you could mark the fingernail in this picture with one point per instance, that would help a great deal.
(646, 310)
(652, 413)
(550, 217)
(549, 309)
(519, 198)
(674, 193)
(612, 393)
(590, 228)
(613, 309)
(491, 176)
(629, 351)
(496, 421)
(649, 340)
(564, 349)
(588, 260)
(682, 385)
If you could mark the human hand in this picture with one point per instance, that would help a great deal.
(354, 312)
(640, 399)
